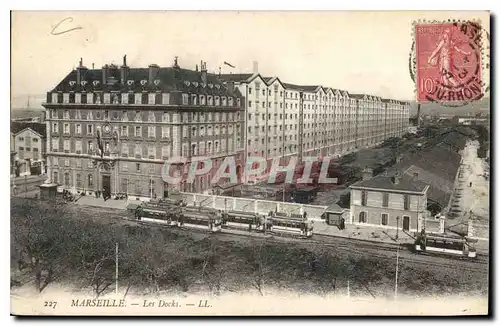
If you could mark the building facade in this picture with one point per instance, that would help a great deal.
(284, 119)
(113, 128)
(397, 201)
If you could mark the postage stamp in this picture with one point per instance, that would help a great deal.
(448, 61)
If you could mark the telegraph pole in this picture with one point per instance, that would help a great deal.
(348, 290)
(116, 265)
(397, 272)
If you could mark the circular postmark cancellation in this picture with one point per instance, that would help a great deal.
(448, 62)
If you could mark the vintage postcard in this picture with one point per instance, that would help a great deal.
(250, 163)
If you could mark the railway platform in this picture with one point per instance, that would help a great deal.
(362, 232)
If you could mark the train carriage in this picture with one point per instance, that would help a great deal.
(240, 220)
(443, 244)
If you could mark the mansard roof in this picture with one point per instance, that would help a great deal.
(137, 80)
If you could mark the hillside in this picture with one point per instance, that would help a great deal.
(482, 105)
(17, 113)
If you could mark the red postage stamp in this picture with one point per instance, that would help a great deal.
(448, 62)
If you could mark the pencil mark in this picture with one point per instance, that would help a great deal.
(70, 19)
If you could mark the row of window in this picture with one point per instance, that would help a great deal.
(137, 131)
(149, 116)
(28, 139)
(141, 98)
(315, 97)
(384, 219)
(385, 199)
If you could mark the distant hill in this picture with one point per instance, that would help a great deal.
(25, 113)
(482, 105)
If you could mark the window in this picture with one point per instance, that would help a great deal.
(138, 131)
(55, 177)
(90, 180)
(66, 145)
(78, 180)
(90, 147)
(138, 167)
(165, 132)
(364, 197)
(385, 200)
(362, 217)
(124, 149)
(90, 129)
(151, 131)
(124, 131)
(249, 90)
(138, 150)
(385, 219)
(66, 128)
(249, 104)
(151, 152)
(55, 127)
(78, 129)
(407, 202)
(165, 152)
(78, 146)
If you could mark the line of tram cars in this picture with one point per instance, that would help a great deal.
(445, 244)
(177, 213)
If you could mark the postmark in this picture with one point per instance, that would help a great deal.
(448, 62)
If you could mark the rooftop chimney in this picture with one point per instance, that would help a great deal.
(124, 70)
(204, 72)
(79, 72)
(230, 86)
(255, 67)
(153, 71)
(367, 173)
(104, 74)
(415, 176)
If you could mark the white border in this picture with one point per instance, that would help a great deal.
(207, 5)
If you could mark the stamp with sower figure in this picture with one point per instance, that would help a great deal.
(448, 62)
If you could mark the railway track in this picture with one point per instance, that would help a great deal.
(353, 247)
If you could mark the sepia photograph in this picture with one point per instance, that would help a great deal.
(250, 163)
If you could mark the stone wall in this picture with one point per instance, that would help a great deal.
(251, 205)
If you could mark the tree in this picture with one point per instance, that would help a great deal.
(92, 249)
(40, 234)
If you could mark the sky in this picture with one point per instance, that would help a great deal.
(361, 52)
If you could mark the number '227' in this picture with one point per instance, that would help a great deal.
(52, 304)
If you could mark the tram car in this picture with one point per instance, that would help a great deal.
(445, 244)
(179, 215)
(197, 218)
(241, 220)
